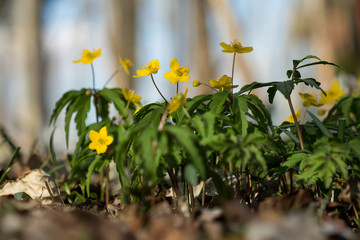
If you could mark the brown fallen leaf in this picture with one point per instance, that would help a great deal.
(34, 185)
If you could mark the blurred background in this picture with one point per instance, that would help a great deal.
(40, 39)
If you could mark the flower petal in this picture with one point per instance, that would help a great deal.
(93, 135)
(109, 140)
(103, 132)
(101, 148)
(174, 64)
(214, 84)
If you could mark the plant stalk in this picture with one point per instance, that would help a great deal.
(152, 78)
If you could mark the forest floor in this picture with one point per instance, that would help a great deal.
(290, 216)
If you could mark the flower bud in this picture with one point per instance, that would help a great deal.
(196, 83)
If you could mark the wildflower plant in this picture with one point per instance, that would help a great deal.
(210, 137)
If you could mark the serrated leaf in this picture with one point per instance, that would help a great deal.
(185, 138)
(63, 101)
(354, 145)
(295, 159)
(241, 108)
(285, 88)
(310, 82)
(217, 102)
(254, 85)
(81, 105)
(317, 63)
(115, 95)
(271, 93)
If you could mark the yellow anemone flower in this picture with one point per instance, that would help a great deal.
(88, 56)
(333, 94)
(131, 96)
(223, 83)
(310, 99)
(196, 83)
(126, 64)
(235, 47)
(177, 73)
(178, 101)
(151, 68)
(99, 140)
(291, 119)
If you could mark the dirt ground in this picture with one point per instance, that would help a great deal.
(292, 216)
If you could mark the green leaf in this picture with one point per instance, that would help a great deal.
(63, 101)
(115, 95)
(9, 165)
(255, 85)
(190, 174)
(296, 158)
(89, 173)
(144, 151)
(285, 88)
(186, 139)
(317, 63)
(310, 82)
(81, 105)
(220, 185)
(217, 102)
(354, 145)
(240, 109)
(321, 126)
(271, 93)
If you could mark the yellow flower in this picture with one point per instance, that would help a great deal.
(310, 99)
(177, 73)
(235, 47)
(291, 119)
(196, 83)
(223, 83)
(88, 56)
(126, 64)
(131, 96)
(178, 101)
(151, 68)
(333, 94)
(100, 140)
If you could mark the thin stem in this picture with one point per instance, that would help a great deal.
(209, 87)
(152, 78)
(111, 77)
(294, 116)
(107, 190)
(296, 124)
(95, 95)
(93, 76)
(232, 74)
(177, 87)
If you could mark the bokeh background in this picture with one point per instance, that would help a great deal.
(40, 39)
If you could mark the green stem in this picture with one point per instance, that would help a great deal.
(152, 78)
(232, 74)
(95, 95)
(209, 87)
(294, 116)
(177, 87)
(93, 76)
(111, 77)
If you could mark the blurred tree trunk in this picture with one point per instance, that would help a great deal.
(200, 50)
(223, 14)
(121, 29)
(26, 111)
